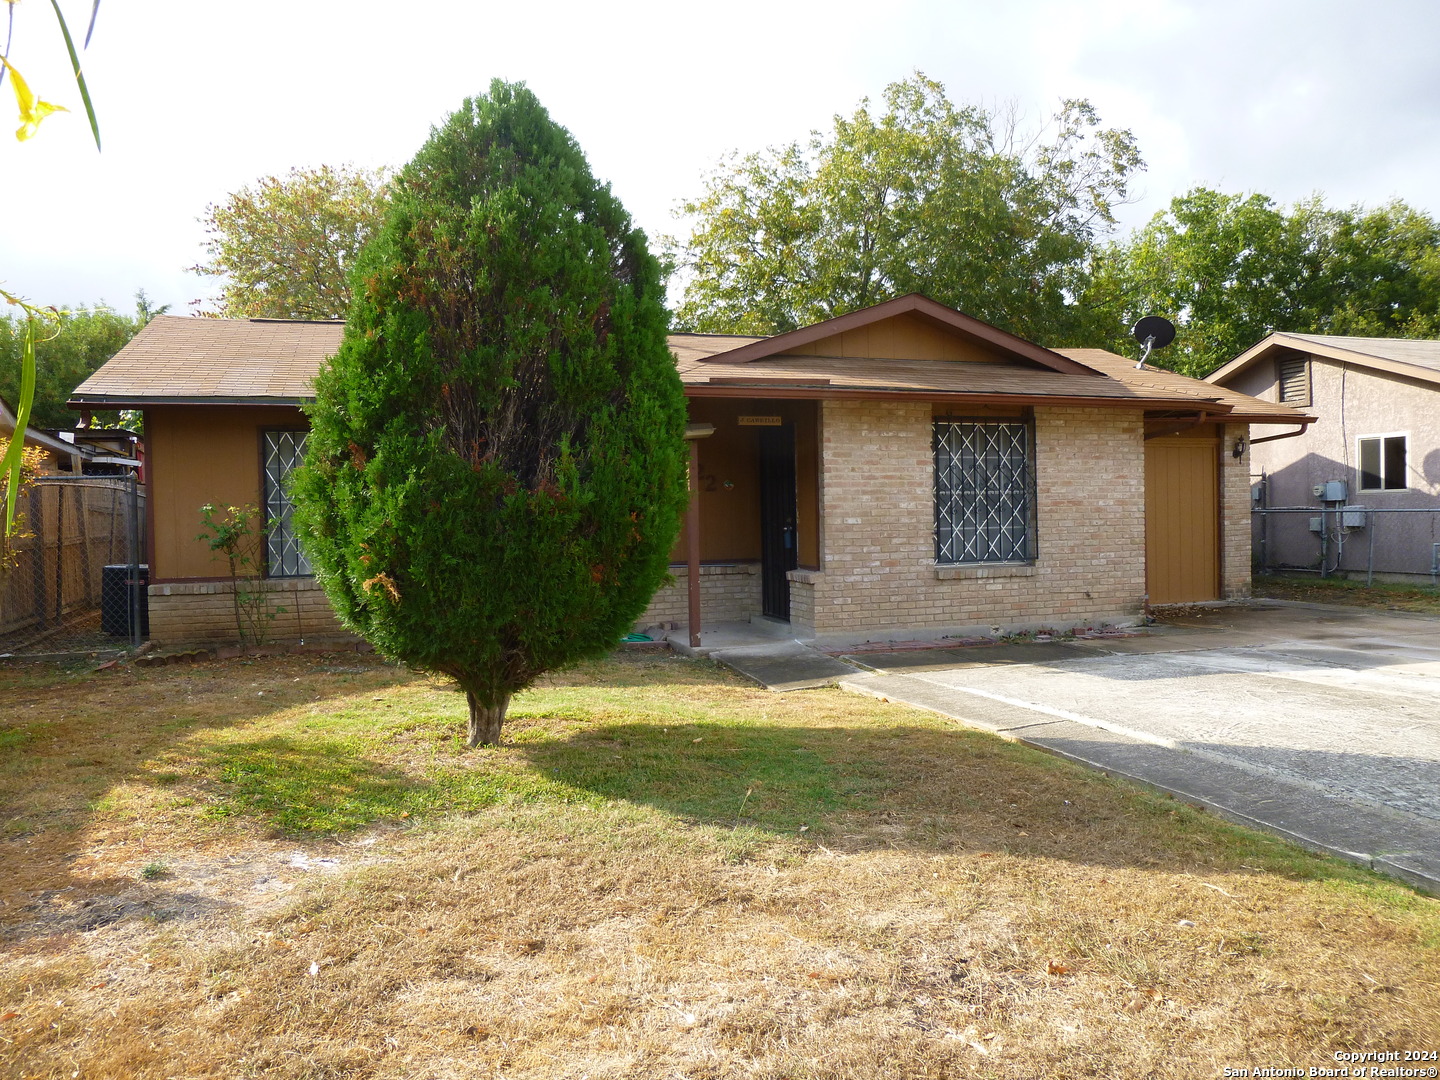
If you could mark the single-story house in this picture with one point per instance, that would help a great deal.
(904, 467)
(1359, 493)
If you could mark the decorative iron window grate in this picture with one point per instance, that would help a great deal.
(284, 451)
(984, 490)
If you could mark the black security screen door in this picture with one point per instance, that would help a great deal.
(778, 553)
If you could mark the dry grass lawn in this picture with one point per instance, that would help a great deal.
(291, 868)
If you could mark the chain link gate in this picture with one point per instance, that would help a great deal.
(74, 579)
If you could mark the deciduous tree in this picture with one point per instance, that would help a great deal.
(1230, 269)
(283, 247)
(925, 196)
(75, 343)
(496, 468)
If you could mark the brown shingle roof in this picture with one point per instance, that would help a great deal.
(178, 360)
(1153, 380)
(175, 360)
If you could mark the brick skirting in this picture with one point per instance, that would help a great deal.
(196, 612)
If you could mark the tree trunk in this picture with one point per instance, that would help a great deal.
(484, 729)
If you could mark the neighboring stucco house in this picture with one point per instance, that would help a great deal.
(902, 467)
(1359, 491)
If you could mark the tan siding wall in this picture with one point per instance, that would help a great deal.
(199, 455)
(904, 337)
(879, 569)
(1182, 517)
(203, 612)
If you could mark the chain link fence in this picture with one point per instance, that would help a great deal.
(74, 580)
(1385, 543)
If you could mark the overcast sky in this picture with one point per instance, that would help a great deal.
(197, 98)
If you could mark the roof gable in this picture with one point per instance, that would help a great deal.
(912, 327)
(1410, 358)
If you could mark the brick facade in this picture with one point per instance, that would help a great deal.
(201, 612)
(877, 506)
(1235, 504)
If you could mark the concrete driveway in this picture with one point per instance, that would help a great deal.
(1319, 723)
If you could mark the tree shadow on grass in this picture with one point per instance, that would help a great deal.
(929, 790)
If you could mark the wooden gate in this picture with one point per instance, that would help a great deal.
(1182, 518)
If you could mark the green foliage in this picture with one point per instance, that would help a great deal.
(1230, 269)
(68, 350)
(496, 468)
(926, 197)
(14, 484)
(237, 534)
(285, 246)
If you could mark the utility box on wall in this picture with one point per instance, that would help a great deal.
(1336, 491)
(1353, 517)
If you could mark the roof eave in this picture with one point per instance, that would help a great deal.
(815, 392)
(129, 401)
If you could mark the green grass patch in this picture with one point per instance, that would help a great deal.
(1384, 596)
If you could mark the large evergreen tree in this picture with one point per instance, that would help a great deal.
(496, 468)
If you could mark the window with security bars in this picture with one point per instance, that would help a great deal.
(284, 451)
(984, 490)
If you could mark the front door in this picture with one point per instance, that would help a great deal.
(1182, 519)
(778, 548)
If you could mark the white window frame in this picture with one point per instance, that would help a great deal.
(1359, 458)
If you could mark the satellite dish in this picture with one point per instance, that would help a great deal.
(1153, 332)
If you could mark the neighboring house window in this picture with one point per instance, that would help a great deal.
(284, 451)
(1294, 376)
(984, 490)
(1382, 463)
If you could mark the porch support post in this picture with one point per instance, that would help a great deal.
(693, 434)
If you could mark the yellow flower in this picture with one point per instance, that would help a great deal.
(32, 109)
